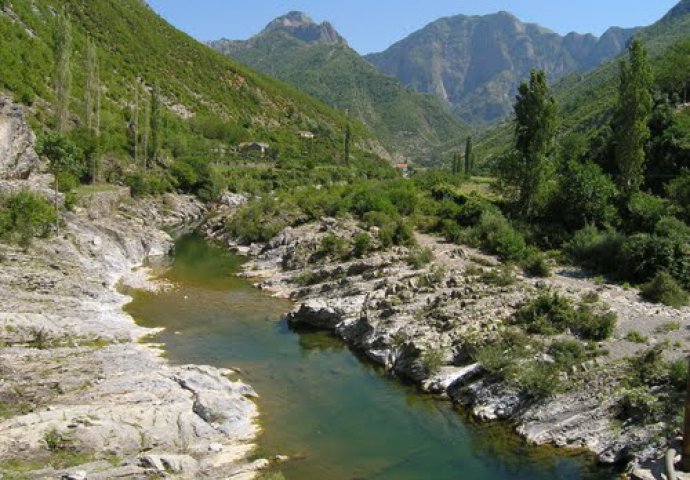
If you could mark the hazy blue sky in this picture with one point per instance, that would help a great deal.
(373, 25)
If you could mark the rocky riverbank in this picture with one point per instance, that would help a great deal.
(79, 396)
(420, 321)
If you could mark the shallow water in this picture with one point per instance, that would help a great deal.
(337, 417)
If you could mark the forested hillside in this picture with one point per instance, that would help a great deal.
(317, 60)
(159, 96)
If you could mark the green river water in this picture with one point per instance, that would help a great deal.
(336, 416)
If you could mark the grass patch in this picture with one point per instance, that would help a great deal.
(636, 337)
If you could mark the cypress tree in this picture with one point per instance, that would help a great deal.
(631, 130)
(63, 72)
(468, 157)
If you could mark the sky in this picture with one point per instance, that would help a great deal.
(374, 25)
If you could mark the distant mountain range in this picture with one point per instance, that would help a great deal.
(318, 60)
(475, 63)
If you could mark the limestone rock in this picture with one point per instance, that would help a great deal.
(18, 158)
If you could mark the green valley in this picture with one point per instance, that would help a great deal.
(411, 125)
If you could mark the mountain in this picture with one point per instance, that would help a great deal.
(211, 103)
(318, 60)
(475, 63)
(300, 26)
(586, 101)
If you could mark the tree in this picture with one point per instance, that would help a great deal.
(524, 174)
(135, 124)
(468, 157)
(63, 73)
(92, 100)
(630, 127)
(454, 166)
(584, 197)
(348, 139)
(64, 157)
(155, 123)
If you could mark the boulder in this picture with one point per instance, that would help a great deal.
(18, 158)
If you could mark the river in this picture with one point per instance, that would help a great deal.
(336, 416)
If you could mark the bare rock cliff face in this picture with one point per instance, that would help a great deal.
(18, 158)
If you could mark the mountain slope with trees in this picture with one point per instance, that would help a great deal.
(586, 101)
(475, 63)
(316, 59)
(113, 76)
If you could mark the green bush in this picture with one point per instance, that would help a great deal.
(495, 234)
(25, 215)
(642, 255)
(584, 197)
(432, 361)
(643, 212)
(261, 220)
(568, 352)
(595, 249)
(594, 326)
(420, 257)
(551, 314)
(362, 244)
(333, 246)
(548, 314)
(538, 380)
(398, 233)
(150, 183)
(641, 405)
(534, 264)
(663, 288)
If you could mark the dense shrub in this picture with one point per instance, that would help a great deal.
(663, 288)
(548, 314)
(362, 244)
(551, 314)
(261, 220)
(679, 192)
(643, 212)
(397, 233)
(534, 264)
(584, 197)
(495, 234)
(568, 352)
(25, 215)
(597, 250)
(150, 183)
(593, 325)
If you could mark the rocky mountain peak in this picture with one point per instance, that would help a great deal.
(302, 27)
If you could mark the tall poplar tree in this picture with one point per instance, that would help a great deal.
(92, 101)
(630, 124)
(155, 123)
(525, 173)
(63, 72)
